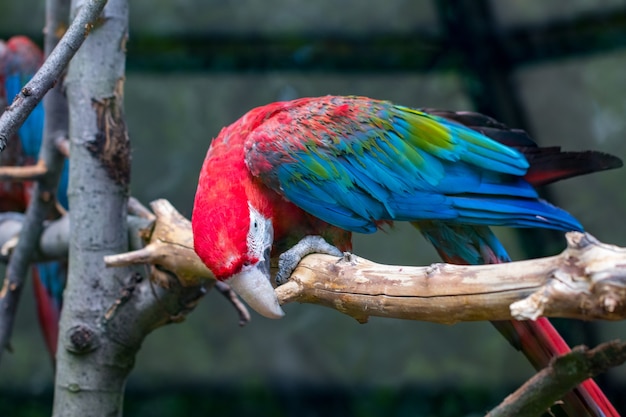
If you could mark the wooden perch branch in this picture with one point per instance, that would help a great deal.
(586, 281)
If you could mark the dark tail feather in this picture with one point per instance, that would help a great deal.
(548, 164)
(538, 340)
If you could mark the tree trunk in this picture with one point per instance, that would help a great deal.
(95, 357)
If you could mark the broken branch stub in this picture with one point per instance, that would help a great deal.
(170, 247)
(589, 270)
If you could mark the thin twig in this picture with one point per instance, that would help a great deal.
(50, 72)
(23, 173)
(229, 294)
(135, 207)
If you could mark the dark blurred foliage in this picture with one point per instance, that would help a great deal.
(286, 402)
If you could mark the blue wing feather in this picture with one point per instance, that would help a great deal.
(385, 163)
(52, 275)
(63, 183)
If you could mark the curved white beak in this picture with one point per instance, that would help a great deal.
(253, 286)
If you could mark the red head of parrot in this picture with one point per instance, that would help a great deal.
(232, 225)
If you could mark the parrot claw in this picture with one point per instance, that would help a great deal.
(349, 257)
(289, 260)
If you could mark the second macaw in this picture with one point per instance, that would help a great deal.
(330, 166)
(19, 60)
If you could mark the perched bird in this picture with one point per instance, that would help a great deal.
(296, 177)
(19, 60)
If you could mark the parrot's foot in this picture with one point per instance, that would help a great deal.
(289, 260)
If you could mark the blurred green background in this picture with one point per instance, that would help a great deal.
(556, 68)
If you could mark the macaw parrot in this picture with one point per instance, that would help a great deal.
(296, 177)
(19, 60)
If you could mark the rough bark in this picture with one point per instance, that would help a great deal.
(107, 311)
(92, 365)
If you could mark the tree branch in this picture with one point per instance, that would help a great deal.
(586, 281)
(50, 160)
(565, 372)
(170, 247)
(54, 240)
(238, 305)
(23, 173)
(50, 71)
